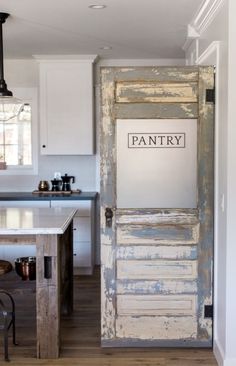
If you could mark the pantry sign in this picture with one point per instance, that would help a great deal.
(156, 140)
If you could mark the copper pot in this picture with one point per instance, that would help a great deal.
(26, 268)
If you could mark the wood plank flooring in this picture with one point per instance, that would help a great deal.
(81, 333)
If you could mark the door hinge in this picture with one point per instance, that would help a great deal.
(210, 95)
(208, 311)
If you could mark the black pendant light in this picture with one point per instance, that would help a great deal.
(10, 107)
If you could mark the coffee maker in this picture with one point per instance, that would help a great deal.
(66, 182)
(56, 184)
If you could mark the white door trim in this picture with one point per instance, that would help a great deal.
(211, 56)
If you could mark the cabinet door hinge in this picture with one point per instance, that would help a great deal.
(210, 96)
(208, 311)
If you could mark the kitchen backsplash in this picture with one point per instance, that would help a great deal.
(82, 167)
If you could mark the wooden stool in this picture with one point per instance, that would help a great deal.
(7, 316)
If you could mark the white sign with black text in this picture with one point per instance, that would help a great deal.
(156, 163)
(155, 140)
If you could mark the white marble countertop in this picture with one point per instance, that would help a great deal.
(25, 221)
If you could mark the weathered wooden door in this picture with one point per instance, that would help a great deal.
(157, 206)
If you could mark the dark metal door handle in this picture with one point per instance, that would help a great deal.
(108, 215)
(47, 267)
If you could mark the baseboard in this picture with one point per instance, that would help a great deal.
(218, 352)
(220, 358)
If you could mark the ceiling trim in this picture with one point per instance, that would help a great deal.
(206, 14)
(214, 47)
(202, 19)
(61, 58)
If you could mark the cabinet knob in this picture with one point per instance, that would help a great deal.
(74, 228)
(43, 146)
(74, 254)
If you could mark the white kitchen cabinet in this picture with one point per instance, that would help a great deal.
(82, 259)
(11, 252)
(84, 238)
(66, 105)
(82, 228)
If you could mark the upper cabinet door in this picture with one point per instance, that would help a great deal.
(66, 106)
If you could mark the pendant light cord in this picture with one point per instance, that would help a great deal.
(4, 92)
(1, 55)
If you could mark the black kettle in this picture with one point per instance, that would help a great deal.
(66, 181)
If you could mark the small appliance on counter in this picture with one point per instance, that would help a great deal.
(61, 185)
(56, 185)
(66, 182)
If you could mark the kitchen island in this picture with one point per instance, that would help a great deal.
(50, 229)
(84, 224)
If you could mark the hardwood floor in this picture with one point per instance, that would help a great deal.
(81, 333)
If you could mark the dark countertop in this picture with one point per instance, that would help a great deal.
(29, 196)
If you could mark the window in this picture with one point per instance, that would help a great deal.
(15, 139)
(18, 137)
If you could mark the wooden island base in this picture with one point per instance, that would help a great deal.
(51, 230)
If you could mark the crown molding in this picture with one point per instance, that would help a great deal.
(191, 35)
(206, 14)
(214, 47)
(63, 58)
(202, 19)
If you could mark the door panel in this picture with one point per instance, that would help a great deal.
(156, 92)
(156, 234)
(158, 286)
(156, 249)
(153, 270)
(150, 328)
(156, 305)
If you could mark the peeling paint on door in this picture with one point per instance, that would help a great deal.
(156, 263)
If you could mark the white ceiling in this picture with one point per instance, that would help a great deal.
(134, 28)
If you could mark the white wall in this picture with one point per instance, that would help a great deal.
(220, 33)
